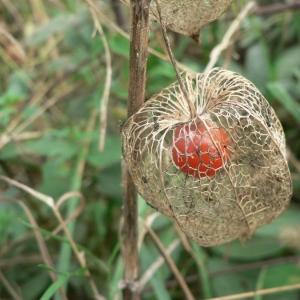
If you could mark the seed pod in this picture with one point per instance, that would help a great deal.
(220, 174)
(188, 17)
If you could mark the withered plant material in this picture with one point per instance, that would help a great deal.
(220, 175)
(188, 17)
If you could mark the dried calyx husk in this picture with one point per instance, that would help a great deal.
(221, 173)
(188, 17)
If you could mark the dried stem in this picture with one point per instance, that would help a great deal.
(9, 288)
(270, 9)
(40, 240)
(182, 87)
(13, 131)
(227, 39)
(173, 267)
(277, 8)
(156, 265)
(254, 265)
(260, 292)
(136, 94)
(108, 79)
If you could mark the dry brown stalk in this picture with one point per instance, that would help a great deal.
(274, 290)
(40, 240)
(9, 288)
(172, 265)
(108, 78)
(137, 82)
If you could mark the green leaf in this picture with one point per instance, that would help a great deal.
(63, 63)
(255, 248)
(256, 67)
(119, 45)
(5, 115)
(45, 267)
(289, 217)
(52, 146)
(117, 276)
(260, 282)
(157, 280)
(103, 265)
(111, 154)
(283, 274)
(202, 270)
(109, 181)
(10, 225)
(280, 93)
(56, 178)
(35, 284)
(29, 111)
(55, 25)
(287, 66)
(54, 287)
(288, 60)
(264, 243)
(97, 46)
(232, 283)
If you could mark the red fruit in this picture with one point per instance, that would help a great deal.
(199, 150)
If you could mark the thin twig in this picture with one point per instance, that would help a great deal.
(172, 265)
(200, 261)
(216, 52)
(254, 265)
(79, 255)
(40, 240)
(105, 96)
(15, 127)
(260, 292)
(8, 136)
(9, 288)
(54, 206)
(159, 261)
(40, 196)
(277, 8)
(156, 265)
(7, 247)
(14, 12)
(71, 208)
(240, 268)
(20, 259)
(24, 136)
(149, 219)
(182, 86)
(13, 41)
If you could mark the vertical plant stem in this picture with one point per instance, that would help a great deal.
(139, 28)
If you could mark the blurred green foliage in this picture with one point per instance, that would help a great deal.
(47, 99)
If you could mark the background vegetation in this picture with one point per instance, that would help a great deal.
(52, 78)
